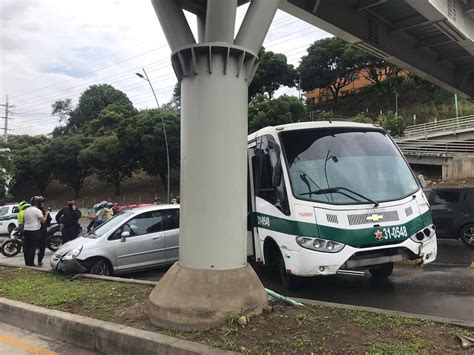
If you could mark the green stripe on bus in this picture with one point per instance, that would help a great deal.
(353, 237)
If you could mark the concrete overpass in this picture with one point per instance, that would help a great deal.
(431, 38)
(454, 129)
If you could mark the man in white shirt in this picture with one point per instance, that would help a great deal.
(32, 228)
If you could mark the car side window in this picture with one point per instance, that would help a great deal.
(145, 223)
(172, 219)
(15, 209)
(443, 197)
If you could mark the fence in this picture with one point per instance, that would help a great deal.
(451, 125)
(433, 147)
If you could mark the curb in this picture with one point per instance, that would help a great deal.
(87, 276)
(456, 322)
(97, 335)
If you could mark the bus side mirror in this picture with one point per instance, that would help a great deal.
(422, 181)
(276, 176)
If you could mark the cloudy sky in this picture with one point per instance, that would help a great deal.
(53, 49)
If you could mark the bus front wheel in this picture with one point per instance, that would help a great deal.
(382, 271)
(290, 282)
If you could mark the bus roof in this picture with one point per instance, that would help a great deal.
(309, 125)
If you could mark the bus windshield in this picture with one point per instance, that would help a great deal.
(346, 166)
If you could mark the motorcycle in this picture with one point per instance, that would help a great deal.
(14, 245)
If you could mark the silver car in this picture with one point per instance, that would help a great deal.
(136, 239)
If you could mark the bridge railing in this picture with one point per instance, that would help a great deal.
(451, 125)
(434, 147)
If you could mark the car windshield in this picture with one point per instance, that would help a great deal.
(3, 211)
(112, 223)
(356, 165)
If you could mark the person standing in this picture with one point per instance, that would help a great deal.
(22, 206)
(68, 219)
(32, 228)
(43, 235)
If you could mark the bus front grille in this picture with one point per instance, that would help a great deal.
(368, 218)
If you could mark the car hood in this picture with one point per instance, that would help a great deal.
(75, 243)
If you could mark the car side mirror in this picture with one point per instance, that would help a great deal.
(124, 235)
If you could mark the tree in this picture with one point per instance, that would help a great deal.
(32, 166)
(175, 102)
(91, 103)
(6, 174)
(109, 119)
(143, 135)
(273, 71)
(330, 63)
(265, 112)
(66, 165)
(109, 157)
(393, 124)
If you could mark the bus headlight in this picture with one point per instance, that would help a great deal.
(424, 234)
(318, 244)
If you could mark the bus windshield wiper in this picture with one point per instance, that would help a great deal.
(338, 189)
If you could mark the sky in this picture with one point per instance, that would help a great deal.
(55, 49)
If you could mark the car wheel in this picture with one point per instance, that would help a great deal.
(467, 235)
(382, 271)
(290, 282)
(101, 267)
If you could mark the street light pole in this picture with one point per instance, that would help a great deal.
(164, 133)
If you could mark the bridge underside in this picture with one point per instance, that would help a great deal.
(452, 168)
(431, 38)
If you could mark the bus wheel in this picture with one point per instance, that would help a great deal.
(290, 282)
(382, 271)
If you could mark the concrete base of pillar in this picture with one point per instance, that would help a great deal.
(187, 299)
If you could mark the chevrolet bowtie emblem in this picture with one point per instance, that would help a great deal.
(375, 217)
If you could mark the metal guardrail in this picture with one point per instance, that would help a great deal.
(433, 147)
(451, 125)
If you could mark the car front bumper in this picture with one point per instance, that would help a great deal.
(70, 266)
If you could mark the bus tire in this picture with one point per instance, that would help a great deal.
(290, 282)
(382, 271)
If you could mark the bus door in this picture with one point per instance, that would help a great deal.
(253, 241)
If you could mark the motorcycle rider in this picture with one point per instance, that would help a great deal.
(68, 219)
(33, 218)
(22, 206)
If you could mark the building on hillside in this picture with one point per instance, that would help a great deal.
(324, 94)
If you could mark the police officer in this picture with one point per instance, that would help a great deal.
(32, 228)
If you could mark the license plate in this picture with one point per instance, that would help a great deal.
(397, 232)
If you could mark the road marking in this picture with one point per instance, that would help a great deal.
(33, 349)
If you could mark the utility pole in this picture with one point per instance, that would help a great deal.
(5, 128)
(456, 108)
(396, 103)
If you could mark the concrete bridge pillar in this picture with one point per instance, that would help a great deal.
(212, 280)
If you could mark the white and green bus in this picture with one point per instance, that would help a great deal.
(334, 198)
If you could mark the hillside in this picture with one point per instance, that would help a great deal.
(426, 101)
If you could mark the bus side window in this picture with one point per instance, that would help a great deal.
(263, 172)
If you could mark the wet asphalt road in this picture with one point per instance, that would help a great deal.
(442, 289)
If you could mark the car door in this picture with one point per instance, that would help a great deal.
(444, 209)
(145, 247)
(172, 234)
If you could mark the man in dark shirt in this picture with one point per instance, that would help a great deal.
(43, 236)
(68, 219)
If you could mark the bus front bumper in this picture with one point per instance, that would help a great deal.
(306, 262)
